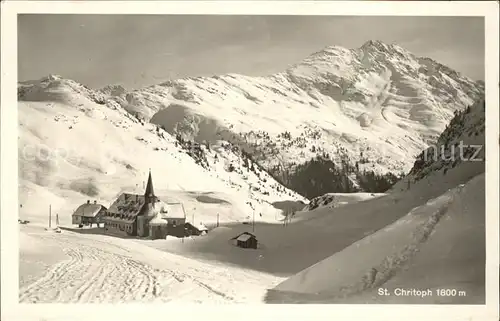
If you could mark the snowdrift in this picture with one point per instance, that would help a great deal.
(439, 245)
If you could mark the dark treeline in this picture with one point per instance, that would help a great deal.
(321, 175)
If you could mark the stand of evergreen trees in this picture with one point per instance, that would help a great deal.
(321, 175)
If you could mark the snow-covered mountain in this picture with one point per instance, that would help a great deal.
(374, 108)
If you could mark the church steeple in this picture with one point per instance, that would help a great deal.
(149, 194)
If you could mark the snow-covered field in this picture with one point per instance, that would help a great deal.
(85, 268)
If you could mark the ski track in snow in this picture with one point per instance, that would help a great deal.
(92, 275)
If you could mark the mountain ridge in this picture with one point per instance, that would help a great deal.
(373, 108)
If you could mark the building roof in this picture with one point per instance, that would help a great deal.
(126, 207)
(199, 227)
(171, 210)
(127, 202)
(245, 237)
(88, 210)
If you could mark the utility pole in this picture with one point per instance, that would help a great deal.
(57, 219)
(50, 215)
(253, 224)
(184, 211)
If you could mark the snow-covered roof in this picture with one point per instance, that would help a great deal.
(200, 227)
(128, 206)
(88, 210)
(127, 203)
(171, 210)
(244, 237)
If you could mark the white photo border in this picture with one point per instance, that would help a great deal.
(12, 310)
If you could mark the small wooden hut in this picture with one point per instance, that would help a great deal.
(246, 240)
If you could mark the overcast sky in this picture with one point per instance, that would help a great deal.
(136, 51)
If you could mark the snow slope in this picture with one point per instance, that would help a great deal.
(378, 104)
(439, 245)
(74, 146)
(461, 143)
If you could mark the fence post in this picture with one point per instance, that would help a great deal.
(50, 215)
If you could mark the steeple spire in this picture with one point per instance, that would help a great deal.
(149, 194)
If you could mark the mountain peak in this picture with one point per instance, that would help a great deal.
(51, 77)
(380, 46)
(373, 42)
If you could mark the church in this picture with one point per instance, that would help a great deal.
(131, 215)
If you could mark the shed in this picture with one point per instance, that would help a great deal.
(246, 240)
(89, 214)
(191, 229)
